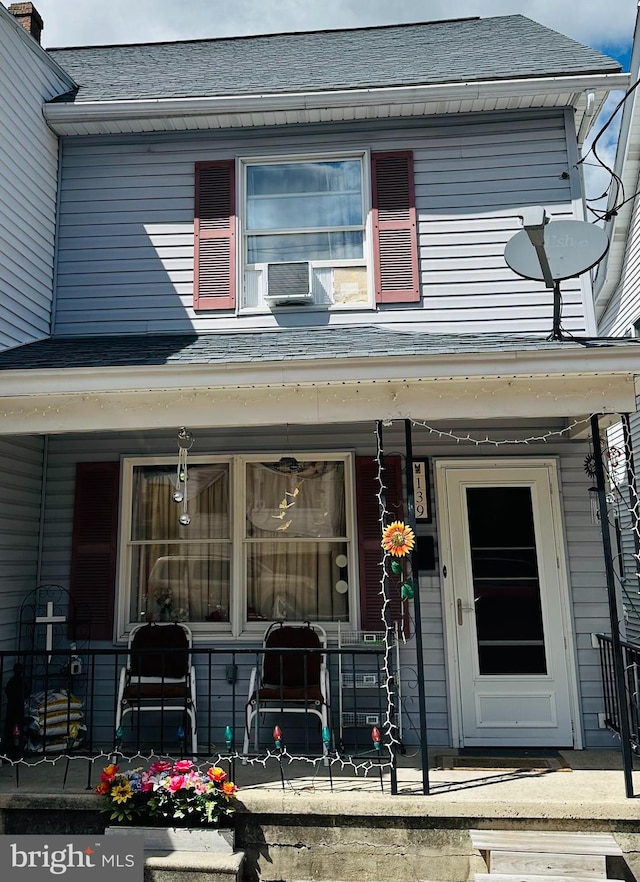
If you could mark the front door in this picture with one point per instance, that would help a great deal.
(506, 604)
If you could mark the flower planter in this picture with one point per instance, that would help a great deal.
(215, 839)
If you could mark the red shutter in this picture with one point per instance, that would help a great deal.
(395, 230)
(370, 537)
(215, 236)
(93, 556)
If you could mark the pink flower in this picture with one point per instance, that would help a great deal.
(146, 786)
(160, 766)
(200, 787)
(183, 766)
(176, 782)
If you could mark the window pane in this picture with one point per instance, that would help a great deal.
(506, 587)
(155, 514)
(306, 502)
(297, 581)
(187, 583)
(310, 194)
(343, 245)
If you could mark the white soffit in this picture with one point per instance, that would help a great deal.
(248, 111)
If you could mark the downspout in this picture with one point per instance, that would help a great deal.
(43, 495)
(56, 239)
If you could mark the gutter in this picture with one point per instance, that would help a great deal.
(620, 359)
(59, 113)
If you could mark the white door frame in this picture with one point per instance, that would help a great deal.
(448, 598)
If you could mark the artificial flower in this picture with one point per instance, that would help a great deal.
(179, 793)
(398, 539)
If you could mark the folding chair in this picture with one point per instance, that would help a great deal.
(288, 682)
(162, 681)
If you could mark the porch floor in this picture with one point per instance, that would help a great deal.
(583, 785)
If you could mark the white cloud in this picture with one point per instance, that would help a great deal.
(91, 22)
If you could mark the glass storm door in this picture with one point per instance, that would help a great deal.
(504, 597)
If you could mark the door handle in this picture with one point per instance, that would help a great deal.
(461, 607)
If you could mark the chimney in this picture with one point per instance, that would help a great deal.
(29, 18)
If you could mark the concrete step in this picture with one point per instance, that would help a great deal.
(545, 841)
(538, 863)
(524, 877)
(185, 866)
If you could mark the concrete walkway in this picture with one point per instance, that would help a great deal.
(581, 784)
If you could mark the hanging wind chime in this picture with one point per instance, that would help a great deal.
(590, 471)
(185, 443)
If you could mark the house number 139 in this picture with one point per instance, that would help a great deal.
(421, 491)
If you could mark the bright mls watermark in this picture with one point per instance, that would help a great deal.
(86, 857)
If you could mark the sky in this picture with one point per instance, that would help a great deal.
(603, 24)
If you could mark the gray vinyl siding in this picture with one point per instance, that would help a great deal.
(28, 185)
(125, 259)
(586, 572)
(20, 495)
(624, 307)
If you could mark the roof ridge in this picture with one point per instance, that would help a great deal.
(407, 24)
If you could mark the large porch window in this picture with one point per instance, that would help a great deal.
(268, 539)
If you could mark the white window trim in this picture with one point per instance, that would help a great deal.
(237, 627)
(243, 162)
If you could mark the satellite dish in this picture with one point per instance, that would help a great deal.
(551, 252)
(571, 247)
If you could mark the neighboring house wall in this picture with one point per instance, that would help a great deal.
(586, 572)
(28, 185)
(20, 500)
(623, 308)
(125, 260)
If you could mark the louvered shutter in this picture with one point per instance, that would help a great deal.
(93, 560)
(215, 236)
(395, 230)
(370, 536)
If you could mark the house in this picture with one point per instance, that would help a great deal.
(617, 301)
(274, 257)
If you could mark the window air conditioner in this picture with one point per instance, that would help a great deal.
(288, 284)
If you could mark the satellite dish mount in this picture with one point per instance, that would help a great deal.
(552, 251)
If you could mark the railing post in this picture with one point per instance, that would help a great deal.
(422, 700)
(616, 646)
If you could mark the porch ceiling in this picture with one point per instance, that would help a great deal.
(311, 376)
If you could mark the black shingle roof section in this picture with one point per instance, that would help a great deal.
(401, 55)
(285, 345)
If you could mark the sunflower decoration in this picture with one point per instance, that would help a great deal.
(398, 539)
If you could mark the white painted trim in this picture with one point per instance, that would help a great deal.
(237, 626)
(577, 361)
(561, 396)
(448, 610)
(60, 115)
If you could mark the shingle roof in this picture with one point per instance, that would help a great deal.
(502, 47)
(285, 345)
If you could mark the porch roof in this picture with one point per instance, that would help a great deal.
(322, 375)
(349, 342)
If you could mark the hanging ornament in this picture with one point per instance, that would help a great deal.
(407, 591)
(398, 539)
(185, 443)
(595, 504)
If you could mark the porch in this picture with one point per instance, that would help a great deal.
(327, 823)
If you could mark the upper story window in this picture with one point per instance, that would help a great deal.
(311, 217)
(338, 232)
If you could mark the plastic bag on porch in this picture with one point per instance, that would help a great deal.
(54, 721)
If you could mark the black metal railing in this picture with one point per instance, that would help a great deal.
(631, 676)
(66, 702)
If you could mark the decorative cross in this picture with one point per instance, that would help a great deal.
(49, 620)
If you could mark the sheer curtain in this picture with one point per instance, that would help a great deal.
(291, 565)
(172, 576)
